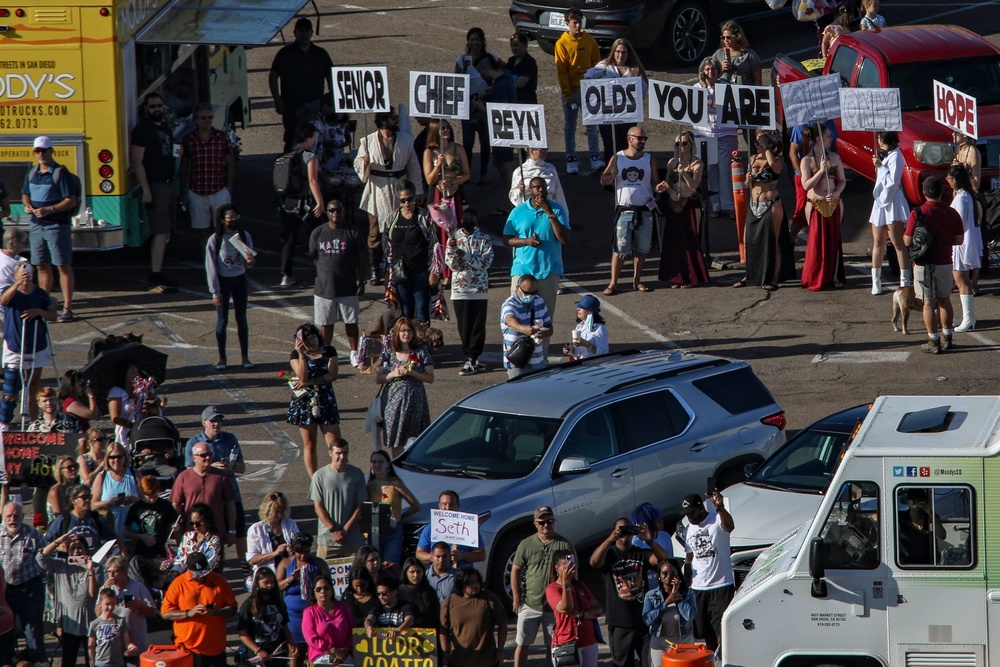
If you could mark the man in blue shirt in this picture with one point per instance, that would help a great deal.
(462, 556)
(48, 197)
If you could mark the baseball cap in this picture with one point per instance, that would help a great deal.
(691, 502)
(589, 302)
(43, 142)
(211, 413)
(197, 562)
(544, 510)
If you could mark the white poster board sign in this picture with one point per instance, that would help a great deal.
(677, 103)
(955, 109)
(439, 95)
(458, 528)
(745, 106)
(340, 570)
(360, 90)
(612, 100)
(870, 110)
(516, 125)
(811, 100)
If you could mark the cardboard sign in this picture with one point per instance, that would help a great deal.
(413, 647)
(360, 90)
(811, 100)
(340, 570)
(30, 458)
(745, 106)
(676, 103)
(437, 95)
(955, 109)
(870, 110)
(611, 100)
(516, 125)
(460, 528)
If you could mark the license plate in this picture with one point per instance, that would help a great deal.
(557, 20)
(995, 184)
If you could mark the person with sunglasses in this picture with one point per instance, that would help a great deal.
(410, 242)
(391, 612)
(91, 454)
(268, 539)
(682, 263)
(149, 524)
(327, 624)
(115, 488)
(668, 610)
(201, 537)
(75, 591)
(208, 171)
(66, 473)
(204, 483)
(296, 573)
(81, 520)
(740, 64)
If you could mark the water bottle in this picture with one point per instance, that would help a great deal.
(88, 217)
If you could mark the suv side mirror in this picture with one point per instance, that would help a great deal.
(750, 468)
(817, 568)
(572, 465)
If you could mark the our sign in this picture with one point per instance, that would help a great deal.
(677, 103)
(413, 647)
(611, 100)
(340, 571)
(516, 125)
(437, 95)
(745, 106)
(870, 110)
(955, 109)
(461, 528)
(29, 458)
(811, 100)
(360, 90)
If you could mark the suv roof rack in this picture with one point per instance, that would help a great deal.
(669, 372)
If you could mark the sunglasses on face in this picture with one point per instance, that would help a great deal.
(637, 138)
(323, 589)
(728, 37)
(546, 522)
(403, 331)
(685, 143)
(206, 117)
(383, 594)
(405, 200)
(42, 150)
(206, 455)
(197, 524)
(114, 457)
(71, 466)
(101, 439)
(85, 497)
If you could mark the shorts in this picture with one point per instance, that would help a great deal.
(630, 237)
(327, 312)
(12, 359)
(528, 620)
(711, 605)
(932, 282)
(162, 211)
(241, 520)
(51, 244)
(204, 207)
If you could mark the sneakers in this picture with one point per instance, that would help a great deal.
(288, 281)
(931, 346)
(355, 361)
(160, 284)
(572, 165)
(597, 164)
(479, 366)
(65, 316)
(467, 369)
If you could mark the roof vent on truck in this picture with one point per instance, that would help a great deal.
(932, 420)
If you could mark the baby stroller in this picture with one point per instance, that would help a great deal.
(155, 444)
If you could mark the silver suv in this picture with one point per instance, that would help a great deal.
(593, 439)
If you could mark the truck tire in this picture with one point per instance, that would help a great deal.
(685, 39)
(501, 558)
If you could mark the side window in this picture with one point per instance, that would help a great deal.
(852, 528)
(593, 438)
(843, 64)
(735, 391)
(640, 429)
(934, 527)
(868, 76)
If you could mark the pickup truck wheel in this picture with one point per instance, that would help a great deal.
(685, 39)
(501, 559)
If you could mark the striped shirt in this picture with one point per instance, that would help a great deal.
(17, 554)
(522, 312)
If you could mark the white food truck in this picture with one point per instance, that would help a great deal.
(894, 569)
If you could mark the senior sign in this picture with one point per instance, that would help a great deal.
(611, 100)
(516, 125)
(811, 100)
(413, 647)
(437, 95)
(955, 109)
(360, 90)
(870, 110)
(461, 528)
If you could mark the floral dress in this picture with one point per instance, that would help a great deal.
(319, 404)
(406, 410)
(192, 543)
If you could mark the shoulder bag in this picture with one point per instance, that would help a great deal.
(565, 654)
(521, 350)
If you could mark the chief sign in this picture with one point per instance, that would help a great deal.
(955, 109)
(360, 90)
(436, 95)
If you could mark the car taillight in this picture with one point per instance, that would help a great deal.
(777, 420)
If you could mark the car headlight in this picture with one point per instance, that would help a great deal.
(933, 152)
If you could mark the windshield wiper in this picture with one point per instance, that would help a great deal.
(459, 472)
(415, 466)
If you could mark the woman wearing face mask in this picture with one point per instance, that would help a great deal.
(622, 61)
(409, 242)
(263, 619)
(469, 255)
(226, 267)
(590, 335)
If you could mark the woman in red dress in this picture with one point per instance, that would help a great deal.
(823, 180)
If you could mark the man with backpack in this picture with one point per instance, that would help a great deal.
(51, 195)
(932, 276)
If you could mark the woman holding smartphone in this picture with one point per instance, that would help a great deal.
(575, 608)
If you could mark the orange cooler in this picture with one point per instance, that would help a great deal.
(684, 655)
(171, 655)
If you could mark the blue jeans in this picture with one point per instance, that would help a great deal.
(27, 601)
(569, 130)
(414, 296)
(392, 544)
(236, 289)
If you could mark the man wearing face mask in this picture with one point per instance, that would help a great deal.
(524, 314)
(198, 602)
(705, 537)
(469, 255)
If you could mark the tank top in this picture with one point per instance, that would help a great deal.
(111, 487)
(634, 182)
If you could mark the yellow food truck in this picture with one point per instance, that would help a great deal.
(77, 71)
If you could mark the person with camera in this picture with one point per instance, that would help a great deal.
(135, 602)
(625, 568)
(198, 603)
(574, 641)
(668, 610)
(75, 591)
(81, 520)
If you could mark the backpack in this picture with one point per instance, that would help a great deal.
(75, 186)
(923, 243)
(289, 181)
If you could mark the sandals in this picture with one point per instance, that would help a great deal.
(742, 282)
(640, 287)
(768, 287)
(610, 291)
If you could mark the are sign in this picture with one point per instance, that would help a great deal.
(745, 106)
(413, 647)
(437, 95)
(461, 528)
(955, 109)
(611, 100)
(30, 458)
(677, 103)
(811, 100)
(360, 90)
(516, 125)
(870, 110)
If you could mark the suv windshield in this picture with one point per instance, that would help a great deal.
(467, 443)
(978, 77)
(806, 465)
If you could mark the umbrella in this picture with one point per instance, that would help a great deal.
(107, 369)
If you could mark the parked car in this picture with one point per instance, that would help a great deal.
(786, 490)
(682, 31)
(593, 439)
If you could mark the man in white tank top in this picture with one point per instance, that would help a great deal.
(634, 173)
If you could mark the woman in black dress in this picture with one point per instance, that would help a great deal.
(313, 406)
(681, 261)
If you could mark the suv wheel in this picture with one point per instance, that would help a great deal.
(547, 46)
(685, 37)
(501, 559)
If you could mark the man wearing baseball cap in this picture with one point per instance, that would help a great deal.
(198, 602)
(48, 195)
(533, 561)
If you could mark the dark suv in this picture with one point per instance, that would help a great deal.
(680, 31)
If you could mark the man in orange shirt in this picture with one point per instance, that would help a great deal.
(198, 602)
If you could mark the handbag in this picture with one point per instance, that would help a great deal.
(520, 352)
(565, 655)
(376, 411)
(398, 272)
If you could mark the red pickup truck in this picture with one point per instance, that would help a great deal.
(911, 58)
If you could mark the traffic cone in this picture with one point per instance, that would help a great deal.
(740, 203)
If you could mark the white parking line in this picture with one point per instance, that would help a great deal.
(861, 358)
